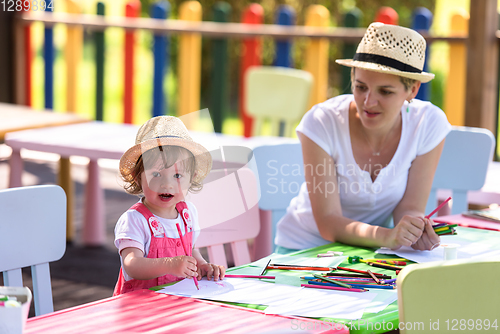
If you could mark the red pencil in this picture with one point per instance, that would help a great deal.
(358, 271)
(185, 251)
(437, 209)
(300, 268)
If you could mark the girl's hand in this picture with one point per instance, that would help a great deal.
(407, 232)
(429, 239)
(211, 270)
(183, 266)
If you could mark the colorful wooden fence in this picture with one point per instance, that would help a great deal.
(189, 58)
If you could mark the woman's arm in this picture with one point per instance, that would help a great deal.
(139, 267)
(412, 205)
(325, 202)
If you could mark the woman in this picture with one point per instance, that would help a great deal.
(370, 157)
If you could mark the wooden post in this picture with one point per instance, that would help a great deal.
(454, 96)
(482, 62)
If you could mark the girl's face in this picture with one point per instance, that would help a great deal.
(164, 187)
(379, 97)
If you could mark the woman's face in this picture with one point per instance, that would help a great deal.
(379, 97)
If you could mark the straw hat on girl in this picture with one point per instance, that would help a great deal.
(166, 130)
(391, 49)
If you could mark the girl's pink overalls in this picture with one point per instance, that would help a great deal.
(160, 246)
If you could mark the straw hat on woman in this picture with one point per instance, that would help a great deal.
(382, 147)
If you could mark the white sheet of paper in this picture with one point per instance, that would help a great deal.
(186, 288)
(319, 303)
(472, 244)
(333, 261)
(383, 299)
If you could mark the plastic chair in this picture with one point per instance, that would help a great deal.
(280, 170)
(435, 297)
(463, 165)
(228, 214)
(278, 94)
(33, 230)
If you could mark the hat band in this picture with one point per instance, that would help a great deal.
(383, 60)
(167, 137)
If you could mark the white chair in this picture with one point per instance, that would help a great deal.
(228, 214)
(443, 297)
(463, 165)
(33, 233)
(279, 94)
(280, 170)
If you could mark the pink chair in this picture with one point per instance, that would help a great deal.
(228, 213)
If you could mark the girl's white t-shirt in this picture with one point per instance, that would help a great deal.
(424, 126)
(133, 226)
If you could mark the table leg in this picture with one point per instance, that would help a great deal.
(65, 181)
(94, 229)
(16, 169)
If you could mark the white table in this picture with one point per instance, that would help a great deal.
(99, 140)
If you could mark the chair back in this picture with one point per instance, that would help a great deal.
(463, 165)
(33, 230)
(277, 94)
(228, 214)
(441, 296)
(281, 173)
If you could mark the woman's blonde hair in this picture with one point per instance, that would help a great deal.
(170, 155)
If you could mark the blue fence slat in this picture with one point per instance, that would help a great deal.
(422, 21)
(285, 16)
(160, 10)
(48, 54)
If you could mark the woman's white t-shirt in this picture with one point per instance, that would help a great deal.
(424, 126)
(133, 226)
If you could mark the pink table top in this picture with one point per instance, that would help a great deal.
(468, 222)
(17, 117)
(99, 140)
(147, 311)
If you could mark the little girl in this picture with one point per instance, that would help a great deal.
(163, 165)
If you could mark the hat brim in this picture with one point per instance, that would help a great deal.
(422, 77)
(203, 159)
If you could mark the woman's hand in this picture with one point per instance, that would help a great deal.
(407, 232)
(211, 270)
(183, 266)
(429, 239)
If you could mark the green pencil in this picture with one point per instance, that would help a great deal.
(452, 231)
(332, 281)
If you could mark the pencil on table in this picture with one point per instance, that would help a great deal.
(373, 276)
(263, 272)
(331, 288)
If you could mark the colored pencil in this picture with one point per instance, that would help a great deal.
(249, 276)
(383, 266)
(356, 286)
(263, 272)
(358, 271)
(299, 268)
(337, 274)
(447, 233)
(373, 286)
(331, 288)
(332, 281)
(186, 251)
(373, 276)
(388, 281)
(437, 209)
